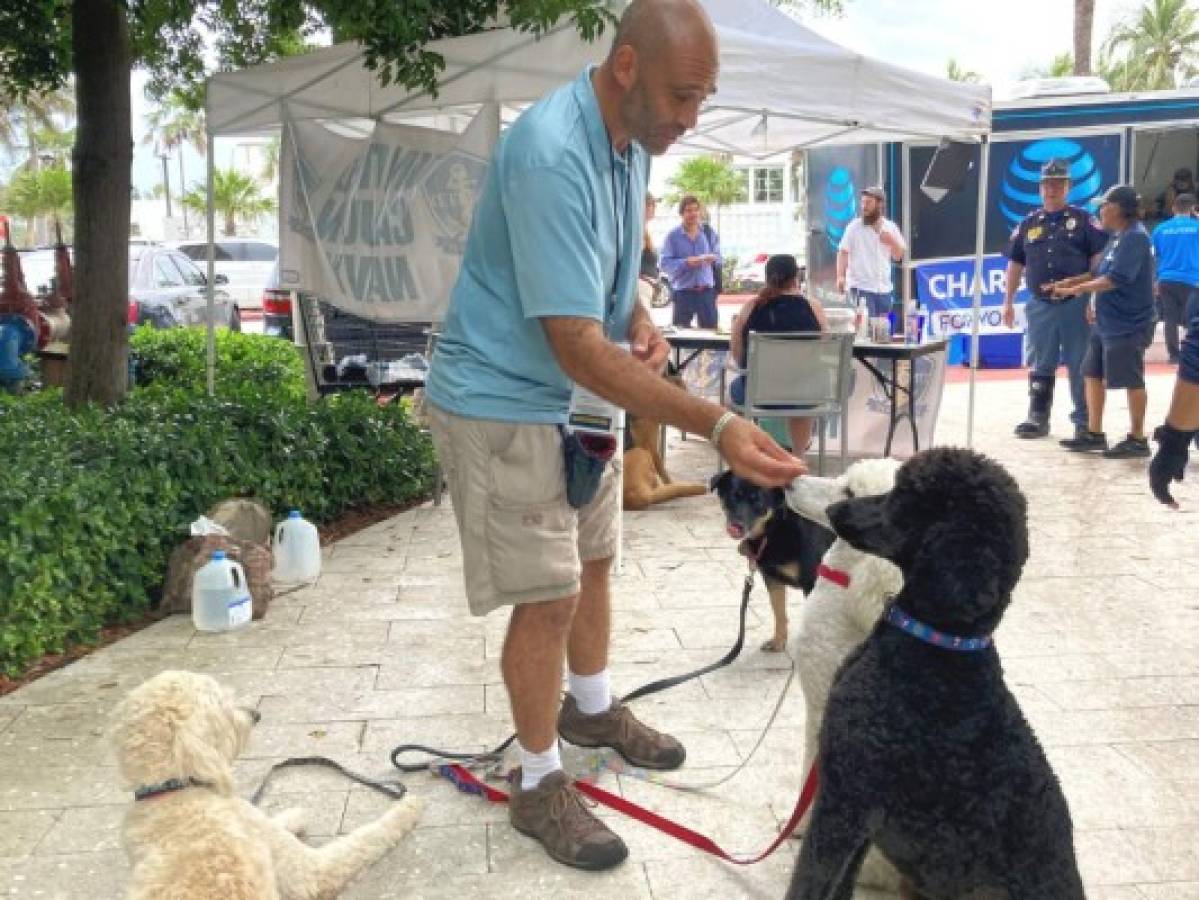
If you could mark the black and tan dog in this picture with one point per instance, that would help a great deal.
(785, 547)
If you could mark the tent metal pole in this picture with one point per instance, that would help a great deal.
(980, 235)
(210, 288)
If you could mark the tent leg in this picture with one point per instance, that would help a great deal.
(979, 248)
(210, 289)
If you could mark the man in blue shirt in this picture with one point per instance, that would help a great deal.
(1054, 242)
(1124, 320)
(690, 255)
(1176, 245)
(547, 288)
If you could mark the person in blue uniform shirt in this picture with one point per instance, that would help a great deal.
(1124, 323)
(1056, 241)
(1176, 246)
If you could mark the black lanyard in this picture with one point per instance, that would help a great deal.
(619, 212)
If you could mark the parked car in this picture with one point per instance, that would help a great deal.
(166, 289)
(246, 262)
(751, 272)
(276, 307)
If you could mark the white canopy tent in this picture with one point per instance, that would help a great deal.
(781, 88)
(810, 89)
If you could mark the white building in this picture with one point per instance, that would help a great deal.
(771, 220)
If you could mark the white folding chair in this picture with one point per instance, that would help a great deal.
(793, 374)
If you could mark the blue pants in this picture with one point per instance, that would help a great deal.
(878, 304)
(1059, 332)
(699, 305)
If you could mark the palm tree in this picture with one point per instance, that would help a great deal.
(34, 193)
(23, 122)
(172, 125)
(954, 72)
(1084, 25)
(270, 162)
(234, 196)
(713, 181)
(1160, 46)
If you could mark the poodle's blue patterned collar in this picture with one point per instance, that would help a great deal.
(917, 629)
(147, 791)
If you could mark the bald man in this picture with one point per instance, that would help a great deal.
(546, 293)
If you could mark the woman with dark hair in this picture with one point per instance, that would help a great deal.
(779, 307)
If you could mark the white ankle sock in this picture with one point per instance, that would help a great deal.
(535, 766)
(593, 693)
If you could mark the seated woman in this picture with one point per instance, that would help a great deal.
(779, 307)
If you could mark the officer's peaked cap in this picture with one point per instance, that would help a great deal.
(1055, 168)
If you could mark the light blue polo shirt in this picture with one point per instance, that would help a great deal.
(543, 243)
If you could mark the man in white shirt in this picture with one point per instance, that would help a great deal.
(868, 247)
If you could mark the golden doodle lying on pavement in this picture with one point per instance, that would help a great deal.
(190, 837)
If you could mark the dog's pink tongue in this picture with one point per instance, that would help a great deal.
(736, 532)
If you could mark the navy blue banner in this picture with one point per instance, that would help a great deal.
(946, 289)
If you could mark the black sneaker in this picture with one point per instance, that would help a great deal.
(1085, 441)
(1129, 448)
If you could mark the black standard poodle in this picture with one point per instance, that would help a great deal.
(924, 752)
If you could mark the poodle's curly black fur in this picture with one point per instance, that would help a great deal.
(924, 752)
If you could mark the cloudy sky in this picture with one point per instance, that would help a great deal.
(1001, 41)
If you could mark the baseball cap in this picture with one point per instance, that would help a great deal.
(875, 191)
(1124, 197)
(1055, 168)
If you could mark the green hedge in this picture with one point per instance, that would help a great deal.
(93, 502)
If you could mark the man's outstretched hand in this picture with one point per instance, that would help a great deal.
(753, 454)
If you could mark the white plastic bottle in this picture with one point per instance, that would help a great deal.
(220, 596)
(297, 549)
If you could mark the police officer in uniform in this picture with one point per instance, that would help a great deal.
(1054, 242)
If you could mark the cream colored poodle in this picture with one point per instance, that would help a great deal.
(189, 837)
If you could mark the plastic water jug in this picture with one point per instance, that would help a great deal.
(297, 549)
(220, 596)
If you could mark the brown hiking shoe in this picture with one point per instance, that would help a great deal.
(617, 728)
(556, 814)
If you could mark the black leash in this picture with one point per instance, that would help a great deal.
(393, 789)
(644, 691)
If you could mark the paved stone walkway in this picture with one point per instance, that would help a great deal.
(1101, 645)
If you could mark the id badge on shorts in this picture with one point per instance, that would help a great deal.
(591, 412)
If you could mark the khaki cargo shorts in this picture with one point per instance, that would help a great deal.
(521, 541)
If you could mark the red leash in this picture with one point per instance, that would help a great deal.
(466, 781)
